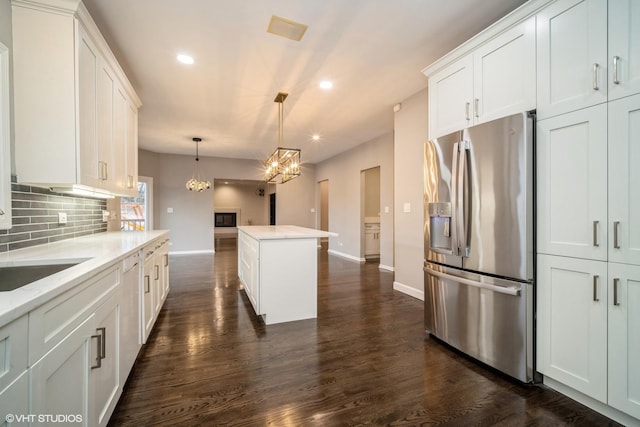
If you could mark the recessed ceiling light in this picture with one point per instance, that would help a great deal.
(185, 59)
(326, 84)
(316, 137)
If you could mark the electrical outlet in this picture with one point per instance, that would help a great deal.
(62, 217)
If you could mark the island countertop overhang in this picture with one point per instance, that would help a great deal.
(272, 232)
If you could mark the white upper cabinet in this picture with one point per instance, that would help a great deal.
(450, 96)
(624, 180)
(504, 72)
(624, 48)
(83, 121)
(572, 56)
(495, 80)
(5, 142)
(572, 184)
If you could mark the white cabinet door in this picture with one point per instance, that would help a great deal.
(505, 74)
(14, 402)
(572, 323)
(104, 108)
(571, 56)
(88, 64)
(450, 97)
(572, 184)
(105, 375)
(5, 135)
(60, 380)
(624, 48)
(249, 265)
(624, 180)
(148, 307)
(624, 338)
(131, 152)
(130, 320)
(119, 147)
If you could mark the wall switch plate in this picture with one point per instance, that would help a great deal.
(386, 209)
(407, 207)
(62, 217)
(313, 210)
(169, 210)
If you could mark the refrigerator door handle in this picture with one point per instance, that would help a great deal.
(494, 288)
(462, 204)
(455, 242)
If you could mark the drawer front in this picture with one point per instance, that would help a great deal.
(13, 351)
(51, 322)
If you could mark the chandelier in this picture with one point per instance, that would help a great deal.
(195, 183)
(284, 161)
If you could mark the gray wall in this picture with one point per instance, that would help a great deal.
(372, 192)
(410, 135)
(7, 40)
(345, 208)
(191, 223)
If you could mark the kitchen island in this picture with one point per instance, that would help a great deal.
(278, 267)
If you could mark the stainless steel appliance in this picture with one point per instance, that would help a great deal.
(479, 242)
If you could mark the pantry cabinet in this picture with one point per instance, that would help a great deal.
(624, 338)
(571, 56)
(624, 180)
(572, 323)
(624, 48)
(496, 80)
(572, 184)
(84, 120)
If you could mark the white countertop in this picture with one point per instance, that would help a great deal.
(270, 232)
(97, 251)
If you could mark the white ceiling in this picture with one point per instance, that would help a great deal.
(373, 51)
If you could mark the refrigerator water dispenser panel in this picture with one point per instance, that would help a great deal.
(440, 226)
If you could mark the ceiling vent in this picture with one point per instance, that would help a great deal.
(286, 28)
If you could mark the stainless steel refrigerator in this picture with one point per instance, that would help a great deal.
(478, 194)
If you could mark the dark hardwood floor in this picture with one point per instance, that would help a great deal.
(364, 361)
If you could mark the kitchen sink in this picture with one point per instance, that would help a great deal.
(17, 276)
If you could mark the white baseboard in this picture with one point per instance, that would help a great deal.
(204, 251)
(386, 267)
(412, 292)
(346, 256)
(596, 405)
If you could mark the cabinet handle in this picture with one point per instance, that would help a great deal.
(476, 107)
(616, 228)
(100, 171)
(157, 272)
(596, 243)
(106, 171)
(616, 79)
(1, 212)
(99, 350)
(616, 282)
(103, 347)
(595, 76)
(596, 278)
(166, 260)
(466, 108)
(147, 287)
(129, 181)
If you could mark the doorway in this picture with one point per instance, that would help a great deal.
(272, 209)
(370, 220)
(323, 207)
(136, 213)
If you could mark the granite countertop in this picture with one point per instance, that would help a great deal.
(270, 232)
(93, 253)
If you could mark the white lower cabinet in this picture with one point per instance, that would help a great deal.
(105, 370)
(588, 321)
(624, 338)
(60, 380)
(155, 283)
(572, 323)
(14, 402)
(148, 295)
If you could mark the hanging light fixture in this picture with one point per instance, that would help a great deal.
(195, 183)
(284, 161)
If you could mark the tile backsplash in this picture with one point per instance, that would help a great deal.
(35, 217)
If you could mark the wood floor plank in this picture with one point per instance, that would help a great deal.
(364, 361)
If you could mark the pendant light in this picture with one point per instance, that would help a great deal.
(284, 161)
(195, 183)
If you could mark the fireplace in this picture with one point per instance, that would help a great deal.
(225, 219)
